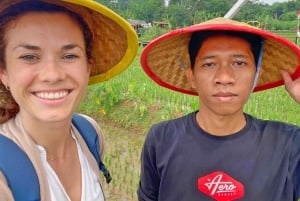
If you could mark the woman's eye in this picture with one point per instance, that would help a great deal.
(70, 56)
(29, 58)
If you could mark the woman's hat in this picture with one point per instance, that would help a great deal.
(114, 40)
(166, 57)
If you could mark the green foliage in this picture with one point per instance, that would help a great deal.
(181, 19)
(289, 16)
(150, 10)
(283, 25)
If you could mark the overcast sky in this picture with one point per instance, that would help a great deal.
(272, 1)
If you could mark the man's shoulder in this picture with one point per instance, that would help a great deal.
(172, 129)
(277, 129)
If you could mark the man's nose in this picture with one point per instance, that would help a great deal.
(225, 74)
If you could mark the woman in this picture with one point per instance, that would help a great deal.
(50, 52)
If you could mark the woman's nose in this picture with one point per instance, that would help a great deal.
(52, 71)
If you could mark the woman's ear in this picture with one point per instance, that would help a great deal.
(90, 64)
(3, 76)
(190, 76)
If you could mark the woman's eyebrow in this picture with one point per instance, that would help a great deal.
(71, 46)
(27, 46)
(34, 47)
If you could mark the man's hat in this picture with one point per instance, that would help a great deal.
(165, 58)
(114, 40)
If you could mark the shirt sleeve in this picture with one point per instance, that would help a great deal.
(295, 167)
(297, 180)
(149, 178)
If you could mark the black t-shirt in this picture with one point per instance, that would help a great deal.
(181, 162)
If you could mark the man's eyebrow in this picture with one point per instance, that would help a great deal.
(240, 56)
(208, 57)
(233, 55)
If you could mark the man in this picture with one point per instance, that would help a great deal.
(50, 52)
(219, 152)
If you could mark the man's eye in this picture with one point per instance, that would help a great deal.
(208, 65)
(239, 63)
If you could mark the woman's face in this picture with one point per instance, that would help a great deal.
(46, 66)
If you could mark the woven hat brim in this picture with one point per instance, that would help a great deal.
(115, 42)
(165, 58)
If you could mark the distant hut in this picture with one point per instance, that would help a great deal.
(137, 25)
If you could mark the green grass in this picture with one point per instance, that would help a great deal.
(287, 34)
(127, 105)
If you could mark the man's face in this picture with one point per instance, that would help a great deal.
(223, 74)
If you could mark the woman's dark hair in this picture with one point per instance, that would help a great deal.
(19, 9)
(199, 37)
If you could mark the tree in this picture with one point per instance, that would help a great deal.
(182, 13)
(178, 17)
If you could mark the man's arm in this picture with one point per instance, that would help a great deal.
(149, 179)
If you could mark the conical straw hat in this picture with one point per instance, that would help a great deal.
(165, 58)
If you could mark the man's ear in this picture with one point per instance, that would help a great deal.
(190, 77)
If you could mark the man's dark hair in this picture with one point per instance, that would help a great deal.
(199, 37)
